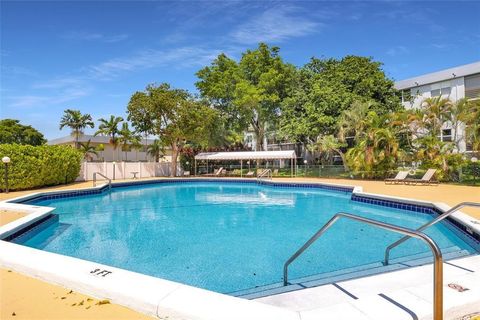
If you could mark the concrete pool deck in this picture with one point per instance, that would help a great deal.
(450, 194)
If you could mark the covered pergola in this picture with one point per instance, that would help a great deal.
(249, 155)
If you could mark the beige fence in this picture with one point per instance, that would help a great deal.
(125, 170)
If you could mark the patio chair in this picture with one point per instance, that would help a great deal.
(218, 172)
(425, 180)
(250, 174)
(399, 178)
(186, 173)
(275, 172)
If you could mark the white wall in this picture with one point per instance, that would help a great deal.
(123, 170)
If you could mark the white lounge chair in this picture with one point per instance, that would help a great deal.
(399, 178)
(426, 179)
(249, 174)
(218, 172)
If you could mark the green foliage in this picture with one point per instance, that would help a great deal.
(327, 87)
(376, 151)
(175, 116)
(11, 131)
(77, 122)
(110, 128)
(38, 166)
(248, 94)
(88, 150)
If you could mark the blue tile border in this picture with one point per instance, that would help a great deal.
(472, 237)
(395, 204)
(69, 194)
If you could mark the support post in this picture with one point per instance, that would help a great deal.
(241, 168)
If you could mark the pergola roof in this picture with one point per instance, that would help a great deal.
(247, 155)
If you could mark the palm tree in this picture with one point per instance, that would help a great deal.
(76, 121)
(350, 123)
(128, 138)
(88, 150)
(110, 128)
(330, 144)
(377, 147)
(155, 149)
(436, 112)
(467, 112)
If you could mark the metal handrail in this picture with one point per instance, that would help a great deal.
(104, 176)
(437, 265)
(428, 224)
(266, 172)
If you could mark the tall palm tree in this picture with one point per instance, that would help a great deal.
(110, 128)
(76, 121)
(155, 149)
(88, 150)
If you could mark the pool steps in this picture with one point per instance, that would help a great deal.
(346, 274)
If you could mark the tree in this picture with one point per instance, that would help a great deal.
(155, 149)
(377, 150)
(77, 122)
(436, 113)
(11, 131)
(465, 113)
(127, 138)
(176, 117)
(88, 150)
(139, 117)
(327, 87)
(110, 128)
(249, 93)
(330, 144)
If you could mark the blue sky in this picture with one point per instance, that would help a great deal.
(93, 55)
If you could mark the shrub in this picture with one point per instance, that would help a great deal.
(38, 166)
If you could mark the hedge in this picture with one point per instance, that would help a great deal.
(38, 166)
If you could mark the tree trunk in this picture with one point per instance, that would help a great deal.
(146, 147)
(173, 169)
(344, 160)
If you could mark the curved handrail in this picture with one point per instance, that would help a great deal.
(428, 224)
(437, 265)
(266, 172)
(104, 176)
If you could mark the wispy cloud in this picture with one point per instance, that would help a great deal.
(397, 50)
(274, 25)
(27, 101)
(150, 58)
(93, 36)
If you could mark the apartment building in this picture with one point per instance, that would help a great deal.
(454, 83)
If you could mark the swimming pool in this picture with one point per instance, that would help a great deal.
(228, 236)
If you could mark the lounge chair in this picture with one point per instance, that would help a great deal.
(249, 174)
(275, 172)
(186, 173)
(219, 172)
(426, 179)
(399, 178)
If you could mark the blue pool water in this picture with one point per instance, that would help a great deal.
(226, 236)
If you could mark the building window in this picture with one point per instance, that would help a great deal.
(446, 135)
(406, 95)
(472, 87)
(445, 91)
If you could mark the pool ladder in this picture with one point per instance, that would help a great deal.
(444, 215)
(266, 174)
(104, 176)
(409, 233)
